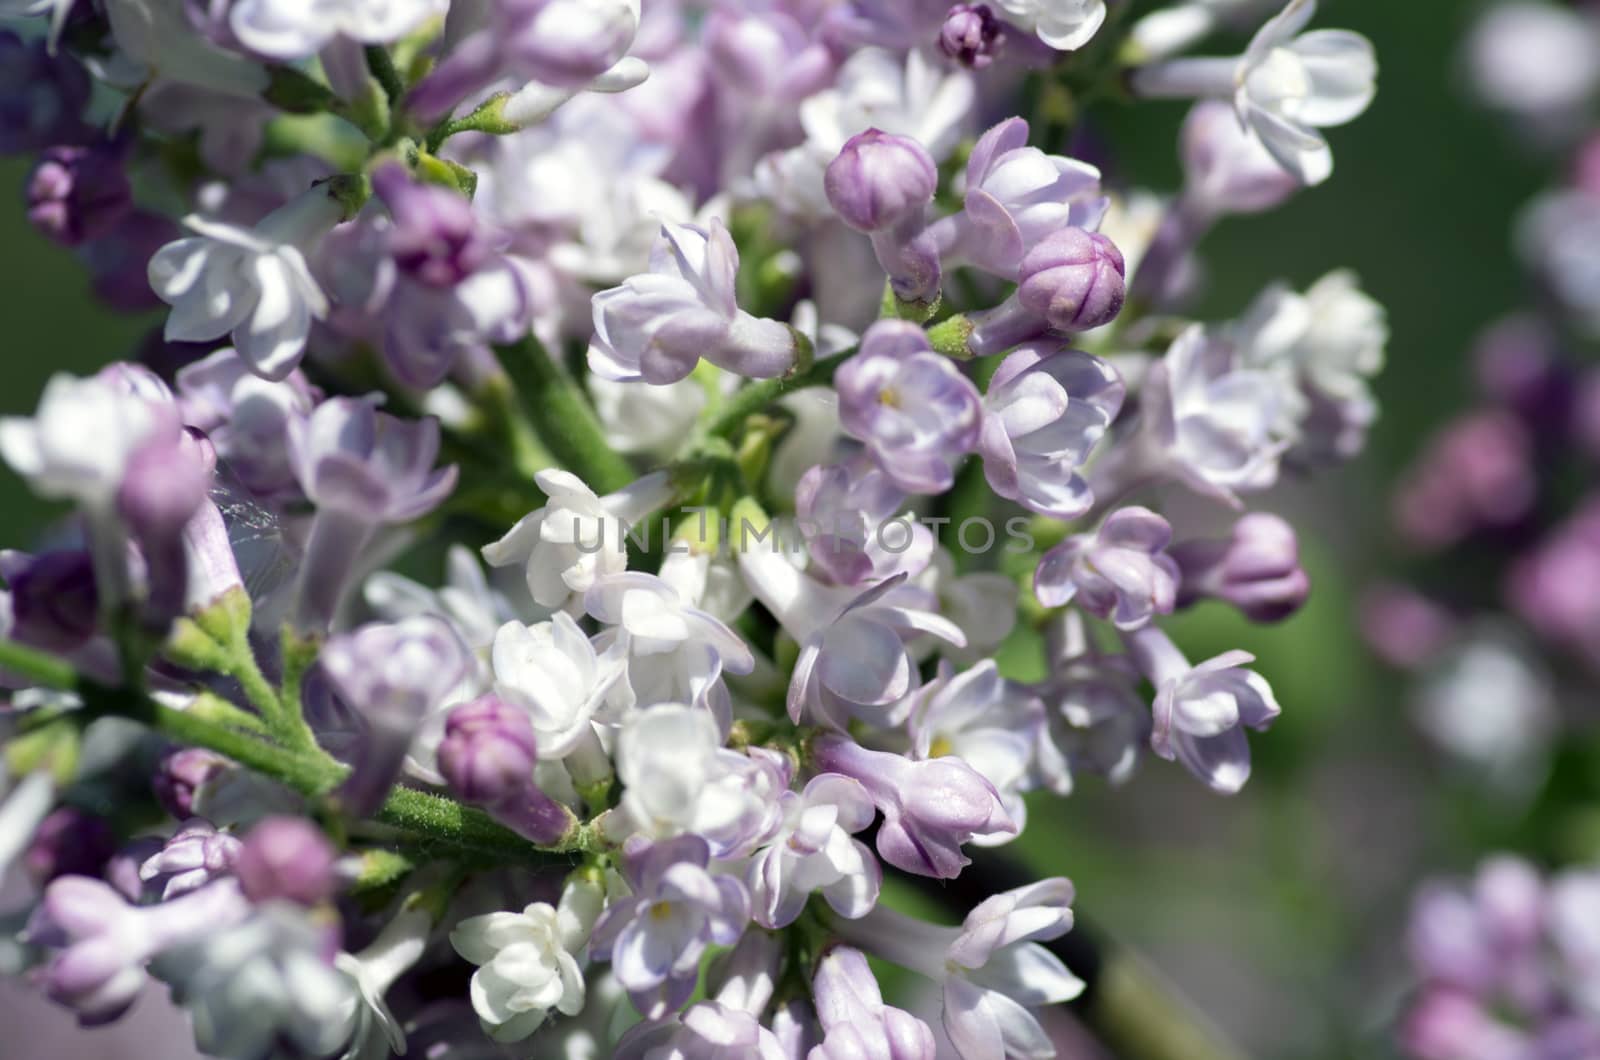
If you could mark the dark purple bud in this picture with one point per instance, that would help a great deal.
(488, 750)
(1256, 570)
(880, 180)
(78, 193)
(54, 602)
(69, 842)
(971, 35)
(286, 858)
(1074, 279)
(1477, 474)
(41, 96)
(436, 239)
(181, 775)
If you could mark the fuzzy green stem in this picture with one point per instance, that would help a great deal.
(561, 414)
(428, 819)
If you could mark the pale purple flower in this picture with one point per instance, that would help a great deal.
(993, 969)
(1209, 420)
(246, 418)
(1045, 411)
(362, 469)
(1120, 572)
(392, 675)
(105, 943)
(847, 515)
(656, 938)
(971, 35)
(1095, 719)
(914, 410)
(564, 44)
(453, 292)
(1256, 569)
(930, 808)
(709, 1030)
(856, 1022)
(854, 661)
(813, 852)
(78, 193)
(1201, 711)
(1016, 196)
(194, 857)
(987, 722)
(286, 858)
(1227, 170)
(181, 775)
(659, 324)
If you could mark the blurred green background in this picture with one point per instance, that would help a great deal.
(1276, 911)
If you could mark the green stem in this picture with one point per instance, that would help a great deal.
(561, 414)
(755, 397)
(429, 819)
(382, 68)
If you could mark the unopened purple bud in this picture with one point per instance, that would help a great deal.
(69, 842)
(181, 775)
(54, 602)
(880, 180)
(436, 239)
(78, 193)
(286, 858)
(1074, 279)
(1256, 570)
(488, 751)
(971, 35)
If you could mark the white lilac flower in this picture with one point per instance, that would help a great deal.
(295, 29)
(265, 979)
(814, 851)
(1066, 25)
(158, 36)
(398, 947)
(250, 283)
(552, 671)
(674, 652)
(1211, 420)
(993, 969)
(856, 1024)
(577, 538)
(527, 964)
(678, 778)
(1286, 87)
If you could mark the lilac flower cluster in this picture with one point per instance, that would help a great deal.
(451, 280)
